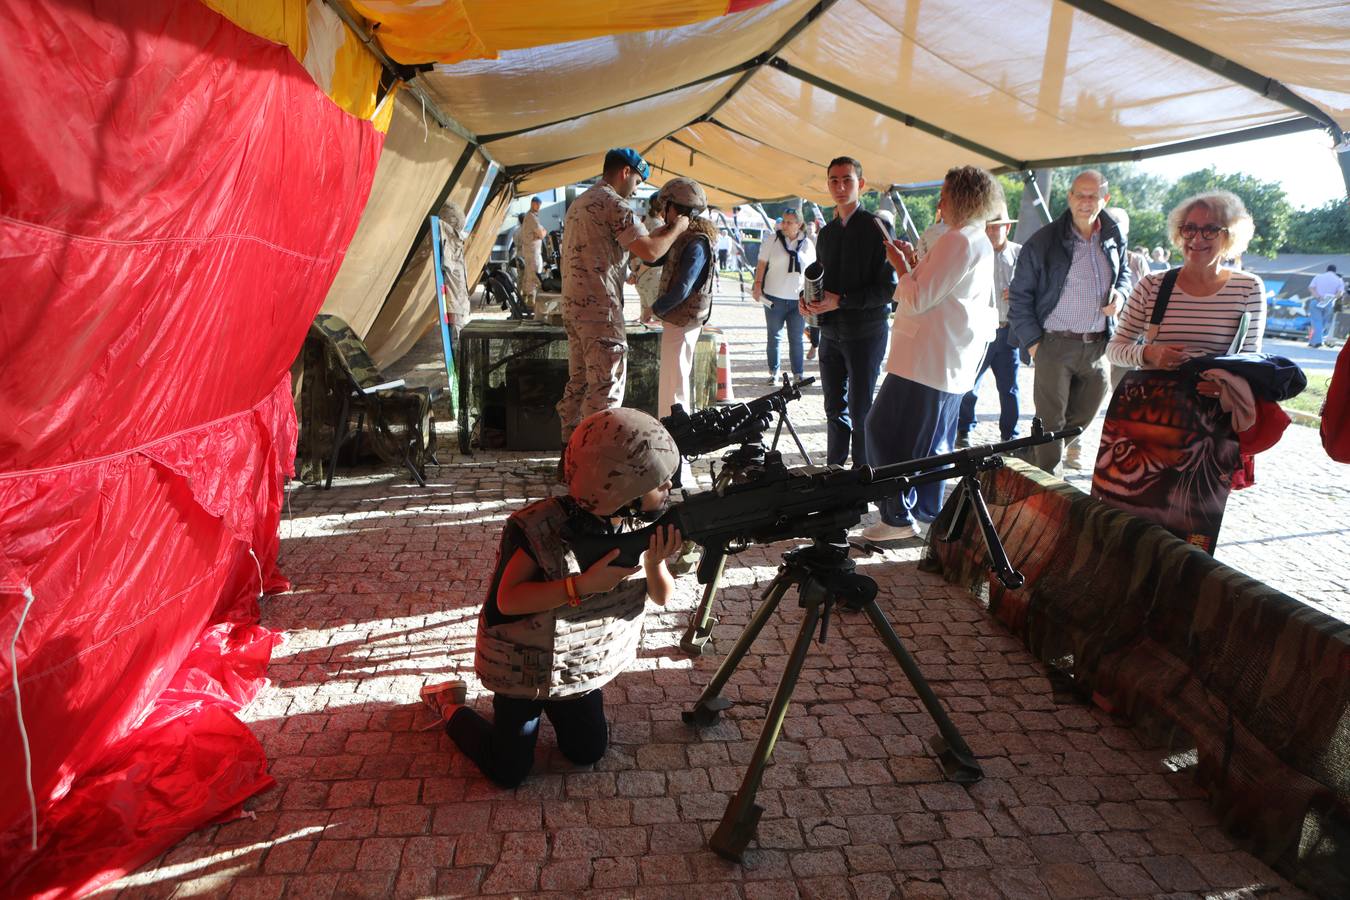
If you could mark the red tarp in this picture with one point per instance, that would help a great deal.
(175, 198)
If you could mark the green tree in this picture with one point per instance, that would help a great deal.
(1265, 200)
(1325, 229)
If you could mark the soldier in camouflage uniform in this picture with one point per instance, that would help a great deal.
(599, 232)
(550, 636)
(531, 243)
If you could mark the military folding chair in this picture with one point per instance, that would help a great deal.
(342, 381)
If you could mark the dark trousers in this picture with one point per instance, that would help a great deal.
(1000, 356)
(504, 748)
(910, 421)
(784, 312)
(848, 378)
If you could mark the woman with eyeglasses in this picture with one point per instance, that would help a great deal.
(1207, 299)
(1169, 451)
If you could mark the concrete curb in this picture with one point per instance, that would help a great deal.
(1300, 417)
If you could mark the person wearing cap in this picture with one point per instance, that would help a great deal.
(599, 232)
(530, 241)
(550, 634)
(1000, 355)
(684, 297)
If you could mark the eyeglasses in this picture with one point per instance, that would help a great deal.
(1208, 232)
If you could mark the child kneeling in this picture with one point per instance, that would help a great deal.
(550, 636)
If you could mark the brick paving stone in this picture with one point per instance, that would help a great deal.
(1126, 879)
(1067, 880)
(1174, 873)
(970, 883)
(510, 877)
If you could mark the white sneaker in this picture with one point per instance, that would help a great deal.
(773, 379)
(1073, 456)
(880, 532)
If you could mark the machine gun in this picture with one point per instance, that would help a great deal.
(715, 428)
(819, 503)
(815, 502)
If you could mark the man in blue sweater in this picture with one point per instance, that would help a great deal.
(852, 313)
(1070, 279)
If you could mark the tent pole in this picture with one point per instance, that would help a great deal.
(1342, 151)
(1034, 212)
(906, 220)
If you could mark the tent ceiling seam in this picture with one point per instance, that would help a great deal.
(1207, 59)
(401, 73)
(721, 162)
(749, 137)
(1274, 129)
(770, 54)
(724, 73)
(891, 113)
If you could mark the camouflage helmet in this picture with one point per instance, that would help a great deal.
(684, 192)
(615, 456)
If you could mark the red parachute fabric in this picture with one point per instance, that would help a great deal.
(176, 196)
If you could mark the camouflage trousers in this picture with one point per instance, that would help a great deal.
(597, 368)
(529, 279)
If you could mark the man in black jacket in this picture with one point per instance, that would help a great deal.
(852, 314)
(1070, 279)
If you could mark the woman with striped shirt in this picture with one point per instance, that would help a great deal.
(1167, 455)
(1208, 300)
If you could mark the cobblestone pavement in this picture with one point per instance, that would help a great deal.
(372, 800)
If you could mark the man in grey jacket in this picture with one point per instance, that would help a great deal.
(1071, 278)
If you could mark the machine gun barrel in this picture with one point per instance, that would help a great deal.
(808, 502)
(715, 427)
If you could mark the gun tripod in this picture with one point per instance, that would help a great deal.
(824, 575)
(741, 464)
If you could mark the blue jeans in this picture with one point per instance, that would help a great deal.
(504, 748)
(785, 312)
(1000, 356)
(848, 378)
(910, 421)
(1322, 317)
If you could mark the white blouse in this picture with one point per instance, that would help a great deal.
(945, 314)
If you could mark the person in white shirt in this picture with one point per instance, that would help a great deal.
(1326, 289)
(945, 317)
(778, 281)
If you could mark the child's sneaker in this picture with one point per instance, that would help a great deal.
(444, 698)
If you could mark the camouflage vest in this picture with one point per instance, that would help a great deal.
(566, 651)
(697, 307)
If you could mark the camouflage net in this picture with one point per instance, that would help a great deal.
(397, 420)
(1208, 660)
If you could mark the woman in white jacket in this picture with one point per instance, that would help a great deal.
(945, 316)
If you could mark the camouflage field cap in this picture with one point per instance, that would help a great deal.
(615, 456)
(684, 192)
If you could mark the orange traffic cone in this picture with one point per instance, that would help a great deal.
(724, 392)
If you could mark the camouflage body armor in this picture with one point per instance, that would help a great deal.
(566, 651)
(697, 307)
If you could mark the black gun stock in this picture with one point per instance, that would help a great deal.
(806, 502)
(715, 427)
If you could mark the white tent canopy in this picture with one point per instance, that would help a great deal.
(754, 104)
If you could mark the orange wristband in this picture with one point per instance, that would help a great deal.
(573, 596)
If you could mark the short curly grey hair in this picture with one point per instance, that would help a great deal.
(1228, 210)
(971, 194)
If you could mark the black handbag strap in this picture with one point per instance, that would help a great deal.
(1169, 282)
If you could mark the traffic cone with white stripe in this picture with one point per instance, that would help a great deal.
(724, 392)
